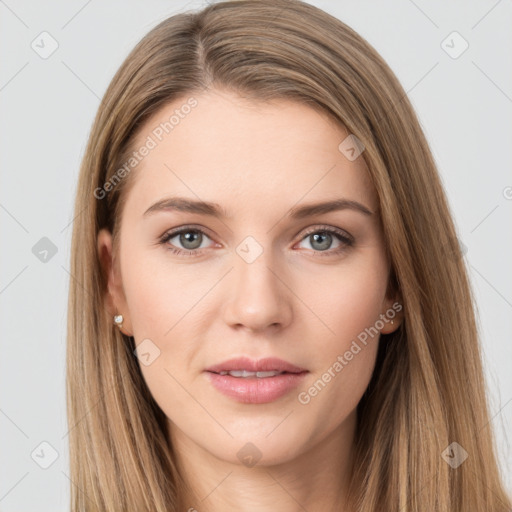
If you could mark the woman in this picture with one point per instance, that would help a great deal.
(270, 310)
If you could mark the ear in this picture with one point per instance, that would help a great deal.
(392, 310)
(115, 299)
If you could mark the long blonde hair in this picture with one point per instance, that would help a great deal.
(427, 389)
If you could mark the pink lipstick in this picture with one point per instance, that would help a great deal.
(255, 382)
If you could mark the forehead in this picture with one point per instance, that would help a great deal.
(241, 152)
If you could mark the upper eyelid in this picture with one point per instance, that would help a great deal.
(332, 229)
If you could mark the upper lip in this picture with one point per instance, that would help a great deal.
(267, 364)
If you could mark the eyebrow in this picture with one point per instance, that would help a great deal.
(183, 204)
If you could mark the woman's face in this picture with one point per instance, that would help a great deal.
(257, 273)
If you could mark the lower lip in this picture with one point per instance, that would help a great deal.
(256, 390)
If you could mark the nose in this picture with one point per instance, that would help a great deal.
(259, 298)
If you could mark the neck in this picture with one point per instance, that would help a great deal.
(316, 479)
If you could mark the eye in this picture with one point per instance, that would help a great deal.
(191, 239)
(321, 240)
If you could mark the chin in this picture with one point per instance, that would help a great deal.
(270, 443)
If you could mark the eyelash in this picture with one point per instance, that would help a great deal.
(346, 240)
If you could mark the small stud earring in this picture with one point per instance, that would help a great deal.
(118, 320)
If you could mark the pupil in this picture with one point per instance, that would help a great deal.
(326, 240)
(190, 237)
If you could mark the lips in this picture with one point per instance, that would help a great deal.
(241, 364)
(255, 382)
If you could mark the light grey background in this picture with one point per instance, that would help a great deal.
(48, 105)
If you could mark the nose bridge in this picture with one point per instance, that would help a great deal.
(259, 298)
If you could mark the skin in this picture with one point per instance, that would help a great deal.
(296, 302)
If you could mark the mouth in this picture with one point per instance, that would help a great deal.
(255, 382)
(244, 374)
(246, 367)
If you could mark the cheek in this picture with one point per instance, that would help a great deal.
(350, 305)
(348, 299)
(164, 302)
(160, 300)
(160, 296)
